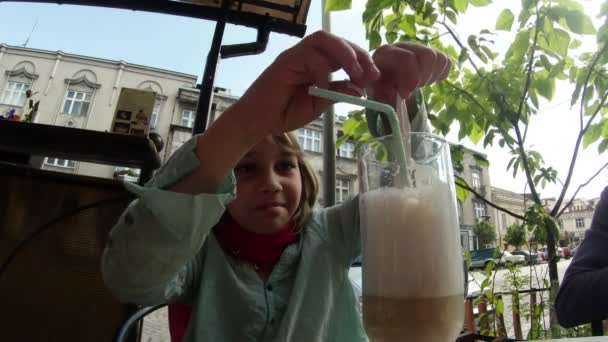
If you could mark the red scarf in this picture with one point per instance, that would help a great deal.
(262, 250)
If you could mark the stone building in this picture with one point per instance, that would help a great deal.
(575, 219)
(82, 92)
(512, 201)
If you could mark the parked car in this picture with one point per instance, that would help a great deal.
(566, 252)
(480, 258)
(545, 254)
(531, 258)
(573, 252)
(508, 259)
(542, 253)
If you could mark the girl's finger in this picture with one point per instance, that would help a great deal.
(426, 57)
(319, 68)
(370, 70)
(400, 68)
(446, 70)
(341, 55)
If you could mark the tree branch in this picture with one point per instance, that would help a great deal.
(556, 208)
(587, 78)
(579, 188)
(470, 96)
(453, 34)
(524, 96)
(478, 196)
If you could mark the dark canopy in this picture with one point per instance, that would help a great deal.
(286, 16)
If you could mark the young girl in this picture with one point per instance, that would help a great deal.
(227, 225)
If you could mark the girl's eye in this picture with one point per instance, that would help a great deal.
(285, 166)
(244, 168)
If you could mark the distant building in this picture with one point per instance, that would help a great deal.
(82, 92)
(473, 210)
(512, 201)
(575, 219)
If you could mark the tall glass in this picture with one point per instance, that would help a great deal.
(412, 259)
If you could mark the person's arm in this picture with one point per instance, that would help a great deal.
(150, 257)
(583, 295)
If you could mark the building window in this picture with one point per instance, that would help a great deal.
(70, 164)
(342, 190)
(14, 93)
(77, 103)
(309, 139)
(155, 112)
(476, 180)
(480, 210)
(187, 118)
(580, 222)
(503, 216)
(346, 150)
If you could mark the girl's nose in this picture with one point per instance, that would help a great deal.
(271, 182)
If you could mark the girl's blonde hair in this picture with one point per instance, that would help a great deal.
(310, 184)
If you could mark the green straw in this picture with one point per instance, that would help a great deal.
(397, 138)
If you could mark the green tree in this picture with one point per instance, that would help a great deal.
(517, 235)
(493, 96)
(485, 233)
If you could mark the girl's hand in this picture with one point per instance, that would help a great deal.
(405, 67)
(278, 100)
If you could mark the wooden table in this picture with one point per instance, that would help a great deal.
(20, 141)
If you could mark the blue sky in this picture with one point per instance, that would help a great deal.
(181, 44)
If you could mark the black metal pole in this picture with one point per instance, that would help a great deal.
(205, 96)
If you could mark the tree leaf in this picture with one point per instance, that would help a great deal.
(488, 52)
(558, 41)
(373, 8)
(344, 138)
(593, 133)
(519, 47)
(579, 22)
(500, 306)
(474, 45)
(461, 5)
(545, 87)
(461, 192)
(505, 20)
(464, 54)
(408, 25)
(480, 3)
(337, 5)
(375, 40)
(391, 37)
(349, 126)
(575, 44)
(476, 133)
(452, 16)
(602, 146)
(570, 5)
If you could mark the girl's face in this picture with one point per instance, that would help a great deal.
(269, 187)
